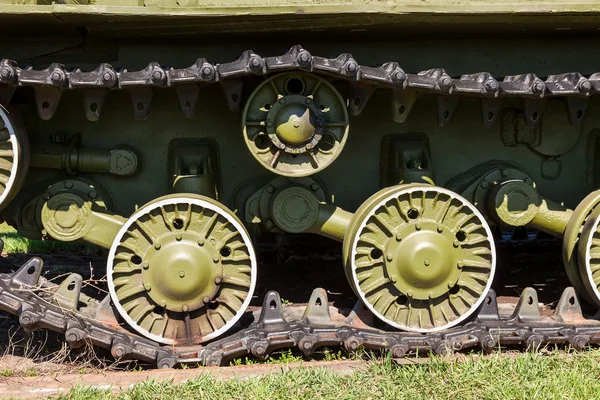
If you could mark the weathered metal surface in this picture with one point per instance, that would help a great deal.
(23, 294)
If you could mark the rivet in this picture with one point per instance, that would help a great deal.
(269, 189)
(185, 308)
(181, 274)
(314, 187)
(398, 237)
(269, 224)
(157, 246)
(200, 242)
(178, 237)
(205, 299)
(147, 286)
(505, 172)
(455, 243)
(409, 293)
(269, 123)
(485, 184)
(93, 194)
(459, 264)
(427, 262)
(308, 101)
(440, 228)
(163, 304)
(216, 258)
(145, 265)
(68, 184)
(218, 280)
(390, 257)
(46, 196)
(282, 100)
(418, 226)
(450, 285)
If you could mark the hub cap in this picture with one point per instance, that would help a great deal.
(422, 258)
(182, 269)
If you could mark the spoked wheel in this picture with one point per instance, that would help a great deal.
(588, 250)
(182, 269)
(14, 156)
(421, 258)
(580, 248)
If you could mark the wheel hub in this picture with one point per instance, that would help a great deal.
(181, 275)
(424, 261)
(294, 124)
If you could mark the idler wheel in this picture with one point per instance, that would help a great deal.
(14, 156)
(295, 124)
(421, 258)
(182, 269)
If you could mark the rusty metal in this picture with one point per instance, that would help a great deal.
(25, 294)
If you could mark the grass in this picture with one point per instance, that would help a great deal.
(15, 243)
(551, 375)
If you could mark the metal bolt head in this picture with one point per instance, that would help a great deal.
(185, 308)
(200, 242)
(7, 73)
(455, 243)
(282, 100)
(147, 286)
(163, 303)
(303, 57)
(440, 228)
(145, 265)
(398, 237)
(218, 280)
(56, 77)
(307, 344)
(485, 184)
(352, 67)
(181, 274)
(215, 258)
(491, 85)
(390, 256)
(207, 72)
(255, 63)
(308, 101)
(205, 299)
(157, 246)
(459, 265)
(445, 82)
(68, 184)
(178, 237)
(46, 196)
(538, 87)
(108, 77)
(418, 226)
(321, 123)
(93, 194)
(584, 85)
(269, 189)
(314, 187)
(426, 262)
(158, 75)
(399, 77)
(269, 123)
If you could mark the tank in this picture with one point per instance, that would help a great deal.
(412, 175)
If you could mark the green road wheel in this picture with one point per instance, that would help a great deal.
(421, 258)
(182, 269)
(588, 256)
(571, 254)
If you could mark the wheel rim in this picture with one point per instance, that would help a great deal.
(182, 270)
(571, 260)
(14, 156)
(422, 258)
(589, 255)
(295, 124)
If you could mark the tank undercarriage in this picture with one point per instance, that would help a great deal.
(183, 213)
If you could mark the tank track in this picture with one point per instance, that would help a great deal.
(49, 83)
(34, 300)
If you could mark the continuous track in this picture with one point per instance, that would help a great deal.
(49, 84)
(37, 303)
